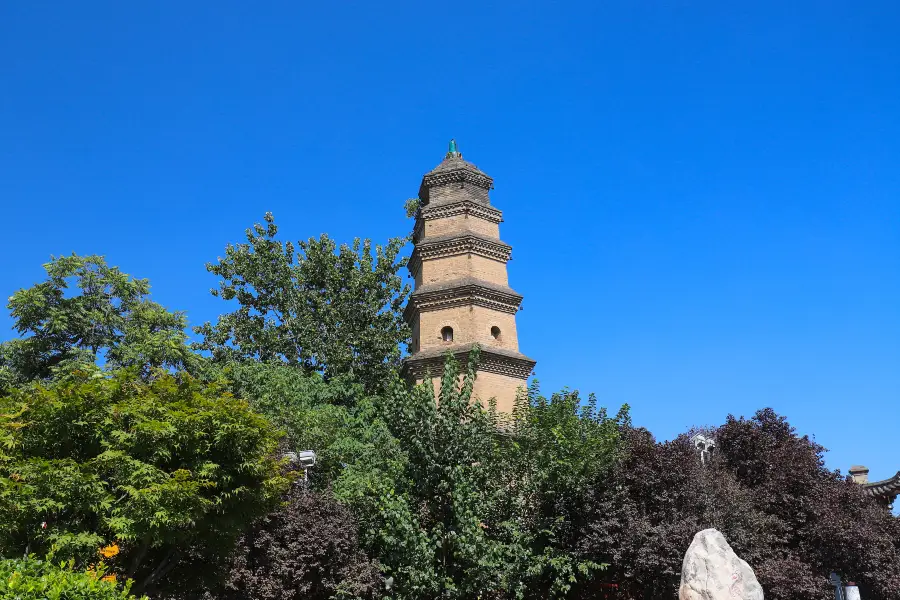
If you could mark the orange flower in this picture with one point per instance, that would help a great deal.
(109, 551)
(111, 578)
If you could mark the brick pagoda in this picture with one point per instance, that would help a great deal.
(462, 296)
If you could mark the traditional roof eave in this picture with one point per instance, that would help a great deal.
(430, 363)
(886, 488)
(464, 207)
(462, 292)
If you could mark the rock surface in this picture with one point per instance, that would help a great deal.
(712, 571)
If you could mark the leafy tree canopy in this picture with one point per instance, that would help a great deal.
(316, 306)
(559, 450)
(450, 499)
(87, 311)
(161, 466)
(463, 507)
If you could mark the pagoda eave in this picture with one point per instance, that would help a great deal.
(458, 172)
(430, 363)
(463, 207)
(462, 292)
(885, 490)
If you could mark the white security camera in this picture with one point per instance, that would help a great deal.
(303, 459)
(306, 458)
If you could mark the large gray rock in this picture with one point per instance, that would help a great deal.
(712, 571)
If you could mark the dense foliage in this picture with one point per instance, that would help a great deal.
(336, 310)
(159, 466)
(448, 504)
(126, 453)
(465, 508)
(558, 451)
(29, 579)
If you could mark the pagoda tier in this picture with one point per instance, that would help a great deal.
(467, 254)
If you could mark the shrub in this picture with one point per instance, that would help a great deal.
(161, 466)
(309, 549)
(31, 579)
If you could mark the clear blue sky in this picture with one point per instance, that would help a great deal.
(703, 199)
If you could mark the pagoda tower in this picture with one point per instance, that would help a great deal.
(462, 296)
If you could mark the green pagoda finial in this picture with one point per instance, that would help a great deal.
(454, 151)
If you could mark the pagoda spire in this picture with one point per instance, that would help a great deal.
(453, 151)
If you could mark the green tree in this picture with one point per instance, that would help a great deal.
(163, 467)
(88, 311)
(335, 418)
(450, 499)
(315, 306)
(424, 515)
(558, 450)
(467, 506)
